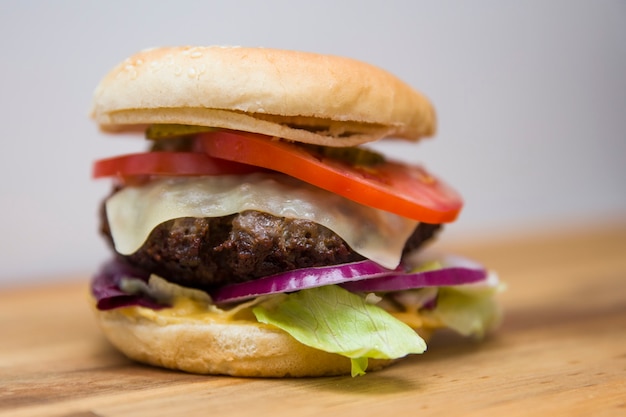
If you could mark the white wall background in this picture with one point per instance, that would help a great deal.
(531, 98)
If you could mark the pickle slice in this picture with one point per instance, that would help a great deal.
(168, 131)
(352, 155)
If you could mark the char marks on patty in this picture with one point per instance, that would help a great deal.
(209, 252)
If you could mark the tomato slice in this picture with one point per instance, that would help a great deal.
(406, 190)
(167, 163)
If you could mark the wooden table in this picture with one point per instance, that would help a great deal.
(560, 351)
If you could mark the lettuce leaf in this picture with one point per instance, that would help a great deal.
(334, 320)
(471, 310)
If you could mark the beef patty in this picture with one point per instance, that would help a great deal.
(209, 252)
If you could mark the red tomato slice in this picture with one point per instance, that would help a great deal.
(406, 190)
(167, 163)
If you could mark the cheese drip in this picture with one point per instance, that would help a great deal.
(135, 211)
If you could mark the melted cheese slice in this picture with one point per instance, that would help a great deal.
(134, 212)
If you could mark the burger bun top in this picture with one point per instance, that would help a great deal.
(304, 97)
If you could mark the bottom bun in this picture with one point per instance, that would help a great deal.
(242, 348)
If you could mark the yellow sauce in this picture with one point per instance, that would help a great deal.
(185, 309)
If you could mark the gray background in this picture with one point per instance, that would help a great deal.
(531, 100)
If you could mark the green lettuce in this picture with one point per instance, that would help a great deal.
(469, 310)
(334, 320)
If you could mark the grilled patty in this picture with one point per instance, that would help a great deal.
(209, 252)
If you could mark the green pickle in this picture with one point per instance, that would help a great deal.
(176, 144)
(173, 137)
(351, 155)
(169, 131)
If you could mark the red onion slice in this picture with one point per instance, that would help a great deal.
(364, 276)
(300, 279)
(444, 277)
(452, 270)
(105, 287)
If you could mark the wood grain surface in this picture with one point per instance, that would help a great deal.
(560, 351)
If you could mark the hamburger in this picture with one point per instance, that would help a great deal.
(257, 234)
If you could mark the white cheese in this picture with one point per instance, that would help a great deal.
(135, 211)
